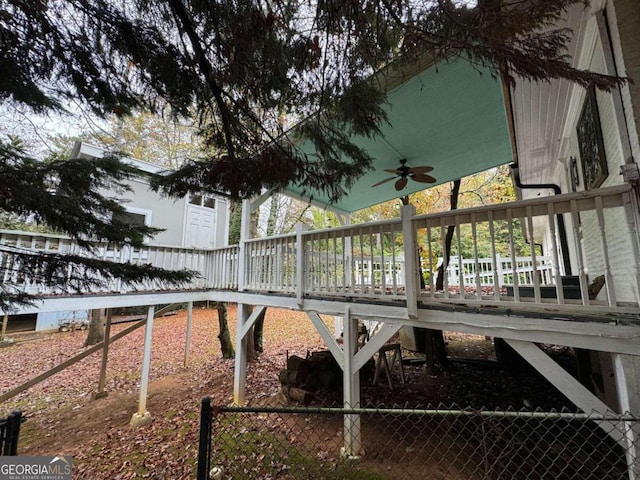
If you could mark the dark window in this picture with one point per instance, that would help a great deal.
(196, 200)
(130, 218)
(590, 143)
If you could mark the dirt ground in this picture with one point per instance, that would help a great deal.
(62, 419)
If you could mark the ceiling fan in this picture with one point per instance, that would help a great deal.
(403, 173)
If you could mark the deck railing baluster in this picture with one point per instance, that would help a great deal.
(534, 263)
(443, 243)
(578, 247)
(555, 261)
(475, 256)
(494, 257)
(608, 284)
(515, 281)
(461, 281)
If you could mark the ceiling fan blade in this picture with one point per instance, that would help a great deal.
(383, 181)
(420, 169)
(424, 178)
(401, 183)
(395, 171)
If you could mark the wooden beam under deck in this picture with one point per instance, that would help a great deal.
(602, 333)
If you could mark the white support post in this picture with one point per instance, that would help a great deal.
(240, 371)
(411, 260)
(347, 255)
(351, 387)
(245, 234)
(187, 345)
(301, 263)
(143, 417)
(627, 376)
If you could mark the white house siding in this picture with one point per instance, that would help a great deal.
(624, 16)
(617, 231)
(166, 213)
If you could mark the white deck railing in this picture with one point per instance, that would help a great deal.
(170, 258)
(369, 260)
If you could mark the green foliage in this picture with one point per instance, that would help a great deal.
(250, 69)
(70, 197)
(235, 222)
(160, 138)
(67, 195)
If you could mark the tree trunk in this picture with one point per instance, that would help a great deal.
(5, 322)
(96, 327)
(226, 345)
(436, 347)
(258, 345)
(258, 328)
(446, 254)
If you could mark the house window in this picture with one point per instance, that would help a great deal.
(131, 218)
(203, 201)
(196, 200)
(590, 143)
(134, 216)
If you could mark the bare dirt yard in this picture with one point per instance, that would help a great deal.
(63, 420)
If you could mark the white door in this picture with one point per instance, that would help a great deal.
(201, 227)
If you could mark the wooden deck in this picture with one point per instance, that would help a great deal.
(374, 269)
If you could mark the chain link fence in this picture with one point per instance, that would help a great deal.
(305, 443)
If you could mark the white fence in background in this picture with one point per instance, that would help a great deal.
(525, 268)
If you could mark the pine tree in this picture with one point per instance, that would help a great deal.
(67, 196)
(246, 65)
(250, 69)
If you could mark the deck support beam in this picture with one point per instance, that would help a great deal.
(143, 417)
(351, 388)
(187, 343)
(374, 344)
(569, 386)
(329, 339)
(240, 370)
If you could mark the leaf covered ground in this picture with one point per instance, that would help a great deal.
(63, 419)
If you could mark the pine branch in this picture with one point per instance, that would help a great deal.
(77, 274)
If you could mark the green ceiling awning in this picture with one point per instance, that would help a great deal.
(450, 116)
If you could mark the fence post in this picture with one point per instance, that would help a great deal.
(12, 433)
(204, 444)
